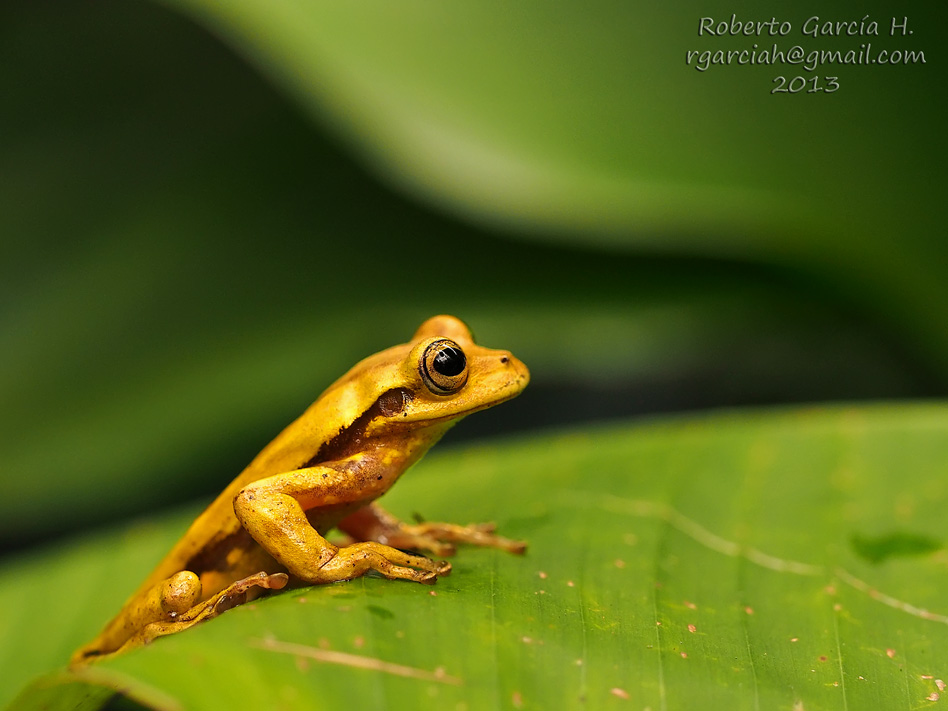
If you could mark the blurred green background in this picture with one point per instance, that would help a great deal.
(209, 211)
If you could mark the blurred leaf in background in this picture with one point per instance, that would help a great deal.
(584, 123)
(188, 261)
(200, 230)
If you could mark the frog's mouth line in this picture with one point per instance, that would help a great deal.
(508, 391)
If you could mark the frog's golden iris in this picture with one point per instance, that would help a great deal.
(444, 366)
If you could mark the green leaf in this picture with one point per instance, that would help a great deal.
(704, 562)
(877, 549)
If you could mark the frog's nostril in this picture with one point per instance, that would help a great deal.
(504, 359)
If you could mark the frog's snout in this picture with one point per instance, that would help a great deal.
(516, 367)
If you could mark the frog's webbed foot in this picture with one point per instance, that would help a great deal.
(373, 523)
(476, 534)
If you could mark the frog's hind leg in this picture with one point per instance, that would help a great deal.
(231, 596)
(167, 607)
(164, 600)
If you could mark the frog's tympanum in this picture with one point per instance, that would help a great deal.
(325, 471)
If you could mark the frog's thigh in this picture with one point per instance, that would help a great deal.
(271, 511)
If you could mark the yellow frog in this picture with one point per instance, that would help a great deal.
(325, 471)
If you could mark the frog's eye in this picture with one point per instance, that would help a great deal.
(444, 367)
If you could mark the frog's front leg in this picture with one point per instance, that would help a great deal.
(274, 511)
(373, 523)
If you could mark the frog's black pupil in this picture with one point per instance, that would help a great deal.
(449, 361)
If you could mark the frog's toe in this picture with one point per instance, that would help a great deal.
(436, 547)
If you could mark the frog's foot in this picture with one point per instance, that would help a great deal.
(231, 596)
(373, 523)
(358, 558)
(428, 535)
